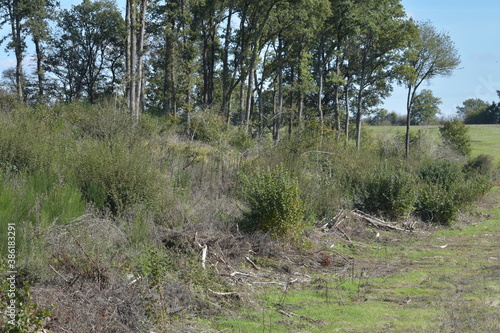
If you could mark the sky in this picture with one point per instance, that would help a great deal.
(474, 27)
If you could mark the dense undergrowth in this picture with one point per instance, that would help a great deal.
(96, 199)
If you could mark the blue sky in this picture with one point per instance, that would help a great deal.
(474, 26)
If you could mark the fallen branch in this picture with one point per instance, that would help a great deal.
(204, 255)
(252, 263)
(62, 276)
(334, 221)
(376, 222)
(229, 293)
(233, 274)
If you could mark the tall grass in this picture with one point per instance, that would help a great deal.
(36, 201)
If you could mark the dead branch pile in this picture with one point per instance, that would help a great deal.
(373, 221)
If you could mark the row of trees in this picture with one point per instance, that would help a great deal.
(477, 111)
(425, 111)
(262, 64)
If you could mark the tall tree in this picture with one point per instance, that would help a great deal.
(333, 73)
(39, 14)
(430, 55)
(473, 110)
(383, 32)
(208, 16)
(12, 12)
(425, 108)
(135, 21)
(87, 49)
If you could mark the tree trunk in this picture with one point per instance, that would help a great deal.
(131, 54)
(135, 19)
(39, 66)
(260, 104)
(249, 96)
(337, 101)
(409, 102)
(140, 61)
(300, 94)
(242, 101)
(277, 126)
(320, 92)
(359, 112)
(17, 43)
(346, 96)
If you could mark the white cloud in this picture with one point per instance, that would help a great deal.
(6, 63)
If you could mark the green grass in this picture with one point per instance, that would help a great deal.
(36, 201)
(485, 138)
(452, 289)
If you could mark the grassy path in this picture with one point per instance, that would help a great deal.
(439, 281)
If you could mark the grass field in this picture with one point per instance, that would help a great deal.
(485, 138)
(440, 281)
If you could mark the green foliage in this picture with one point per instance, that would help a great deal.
(435, 204)
(425, 108)
(456, 135)
(442, 173)
(24, 146)
(473, 111)
(274, 202)
(482, 165)
(20, 313)
(95, 29)
(103, 121)
(40, 200)
(447, 190)
(391, 191)
(114, 175)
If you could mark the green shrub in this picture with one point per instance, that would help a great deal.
(481, 164)
(103, 121)
(435, 204)
(274, 203)
(447, 190)
(115, 176)
(37, 200)
(26, 316)
(24, 146)
(456, 135)
(442, 173)
(391, 192)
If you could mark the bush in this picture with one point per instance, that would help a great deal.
(391, 192)
(274, 203)
(447, 190)
(115, 176)
(481, 164)
(24, 146)
(435, 204)
(442, 173)
(456, 135)
(37, 200)
(103, 121)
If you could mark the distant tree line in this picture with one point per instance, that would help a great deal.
(424, 111)
(265, 65)
(477, 111)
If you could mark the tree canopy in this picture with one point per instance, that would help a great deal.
(268, 65)
(425, 108)
(429, 55)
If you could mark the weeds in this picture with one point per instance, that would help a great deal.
(274, 203)
(93, 197)
(20, 313)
